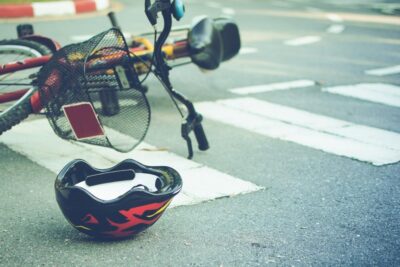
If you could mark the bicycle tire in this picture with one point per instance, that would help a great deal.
(20, 109)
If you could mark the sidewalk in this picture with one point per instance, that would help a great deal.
(55, 8)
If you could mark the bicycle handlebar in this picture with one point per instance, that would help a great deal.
(193, 119)
(113, 20)
(201, 136)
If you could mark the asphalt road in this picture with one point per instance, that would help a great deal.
(317, 208)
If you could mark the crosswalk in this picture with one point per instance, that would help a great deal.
(339, 137)
(200, 183)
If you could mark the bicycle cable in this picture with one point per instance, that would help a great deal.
(163, 84)
(150, 70)
(152, 58)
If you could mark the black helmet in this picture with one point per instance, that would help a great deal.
(124, 215)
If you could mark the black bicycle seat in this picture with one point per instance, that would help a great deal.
(230, 37)
(205, 44)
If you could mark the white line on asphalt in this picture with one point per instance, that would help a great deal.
(228, 11)
(338, 137)
(36, 140)
(375, 92)
(272, 87)
(384, 71)
(213, 4)
(248, 50)
(336, 29)
(303, 40)
(53, 8)
(334, 17)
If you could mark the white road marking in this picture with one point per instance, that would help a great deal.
(228, 11)
(272, 87)
(247, 50)
(338, 137)
(303, 40)
(334, 17)
(366, 18)
(336, 29)
(384, 71)
(375, 92)
(200, 183)
(53, 8)
(213, 4)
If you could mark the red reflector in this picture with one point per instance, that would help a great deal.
(83, 120)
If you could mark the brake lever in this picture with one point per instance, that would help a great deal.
(152, 10)
(193, 124)
(185, 130)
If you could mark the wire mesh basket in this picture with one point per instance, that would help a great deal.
(92, 93)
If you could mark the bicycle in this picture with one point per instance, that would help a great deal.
(116, 66)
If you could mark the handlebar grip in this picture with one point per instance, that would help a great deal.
(201, 137)
(113, 19)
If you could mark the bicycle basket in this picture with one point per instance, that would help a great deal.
(92, 93)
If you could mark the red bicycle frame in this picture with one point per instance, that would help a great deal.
(18, 66)
(176, 50)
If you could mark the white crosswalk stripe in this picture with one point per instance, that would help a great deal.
(247, 50)
(36, 140)
(374, 92)
(384, 71)
(272, 87)
(338, 137)
(305, 40)
(336, 29)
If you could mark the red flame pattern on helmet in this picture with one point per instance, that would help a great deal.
(135, 216)
(90, 219)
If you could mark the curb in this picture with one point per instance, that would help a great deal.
(59, 8)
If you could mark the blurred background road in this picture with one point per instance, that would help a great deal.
(309, 111)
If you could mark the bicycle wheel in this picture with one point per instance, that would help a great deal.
(17, 84)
